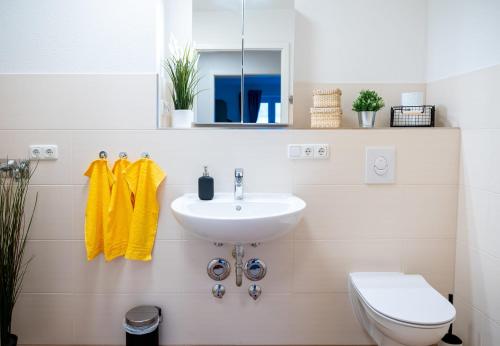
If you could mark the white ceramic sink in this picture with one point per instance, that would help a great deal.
(257, 218)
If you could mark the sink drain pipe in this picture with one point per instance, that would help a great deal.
(238, 254)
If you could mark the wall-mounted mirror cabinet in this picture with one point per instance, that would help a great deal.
(245, 63)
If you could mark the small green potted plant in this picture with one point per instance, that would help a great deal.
(15, 225)
(367, 105)
(182, 68)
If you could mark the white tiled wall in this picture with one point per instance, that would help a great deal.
(348, 226)
(470, 101)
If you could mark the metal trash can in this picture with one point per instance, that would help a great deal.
(141, 326)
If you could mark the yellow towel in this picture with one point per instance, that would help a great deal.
(96, 214)
(144, 176)
(120, 213)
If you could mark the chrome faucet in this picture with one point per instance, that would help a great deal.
(238, 183)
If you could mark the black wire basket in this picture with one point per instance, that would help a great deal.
(412, 116)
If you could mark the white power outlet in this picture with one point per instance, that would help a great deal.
(50, 152)
(35, 152)
(308, 151)
(321, 151)
(44, 152)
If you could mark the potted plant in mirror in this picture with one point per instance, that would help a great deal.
(367, 105)
(182, 70)
(14, 229)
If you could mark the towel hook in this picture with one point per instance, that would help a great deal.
(123, 155)
(145, 155)
(103, 155)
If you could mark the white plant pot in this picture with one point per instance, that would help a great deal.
(182, 118)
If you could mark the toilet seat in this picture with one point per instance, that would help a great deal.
(404, 299)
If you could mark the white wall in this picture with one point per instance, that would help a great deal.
(360, 41)
(178, 16)
(94, 36)
(261, 26)
(464, 68)
(217, 28)
(463, 36)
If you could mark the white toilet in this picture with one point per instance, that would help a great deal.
(398, 309)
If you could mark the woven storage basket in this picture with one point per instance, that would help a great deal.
(326, 117)
(324, 120)
(326, 98)
(327, 110)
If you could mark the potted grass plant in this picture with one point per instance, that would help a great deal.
(15, 225)
(182, 68)
(367, 105)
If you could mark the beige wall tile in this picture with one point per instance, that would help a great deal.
(164, 274)
(79, 198)
(99, 101)
(53, 218)
(350, 212)
(432, 258)
(45, 319)
(245, 321)
(414, 148)
(278, 257)
(51, 269)
(100, 316)
(307, 270)
(261, 153)
(275, 319)
(330, 320)
(15, 145)
(323, 266)
(168, 227)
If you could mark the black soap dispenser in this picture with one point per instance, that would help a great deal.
(206, 186)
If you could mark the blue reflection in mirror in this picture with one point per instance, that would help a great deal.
(262, 99)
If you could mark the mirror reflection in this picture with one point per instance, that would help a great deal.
(244, 81)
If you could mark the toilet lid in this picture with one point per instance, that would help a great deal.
(405, 298)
